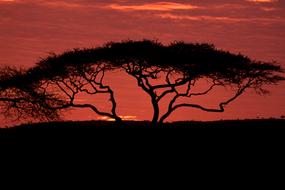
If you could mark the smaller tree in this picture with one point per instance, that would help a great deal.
(44, 91)
(21, 99)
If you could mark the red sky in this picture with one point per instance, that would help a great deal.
(30, 29)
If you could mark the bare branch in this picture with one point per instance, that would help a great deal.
(163, 94)
(222, 105)
(63, 90)
(206, 91)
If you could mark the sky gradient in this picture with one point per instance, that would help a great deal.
(30, 29)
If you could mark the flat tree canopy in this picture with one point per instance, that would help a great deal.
(160, 70)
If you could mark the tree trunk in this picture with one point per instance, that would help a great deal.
(118, 120)
(164, 117)
(155, 112)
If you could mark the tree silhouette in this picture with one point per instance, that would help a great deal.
(20, 97)
(55, 83)
(164, 72)
(182, 65)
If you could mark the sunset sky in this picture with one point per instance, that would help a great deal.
(30, 29)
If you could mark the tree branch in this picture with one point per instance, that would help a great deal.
(220, 109)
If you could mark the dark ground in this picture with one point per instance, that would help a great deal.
(94, 125)
(102, 132)
(183, 149)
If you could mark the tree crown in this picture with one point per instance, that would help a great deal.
(193, 60)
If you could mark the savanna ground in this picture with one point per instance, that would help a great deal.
(106, 132)
(93, 125)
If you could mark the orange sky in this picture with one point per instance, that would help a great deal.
(30, 29)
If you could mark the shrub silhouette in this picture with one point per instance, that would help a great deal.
(160, 70)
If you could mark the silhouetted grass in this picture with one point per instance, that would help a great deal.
(90, 125)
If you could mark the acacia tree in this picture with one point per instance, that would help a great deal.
(164, 72)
